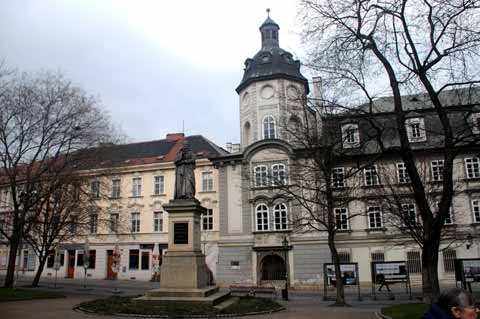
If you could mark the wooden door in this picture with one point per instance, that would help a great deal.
(111, 274)
(71, 264)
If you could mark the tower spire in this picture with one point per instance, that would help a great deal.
(269, 30)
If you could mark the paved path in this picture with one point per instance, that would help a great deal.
(62, 309)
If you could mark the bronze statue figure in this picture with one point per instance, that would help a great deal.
(184, 173)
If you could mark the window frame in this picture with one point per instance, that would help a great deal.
(341, 218)
(158, 222)
(265, 225)
(409, 211)
(116, 189)
(271, 127)
(207, 183)
(476, 173)
(476, 210)
(278, 173)
(135, 222)
(402, 173)
(337, 181)
(95, 188)
(376, 175)
(93, 223)
(207, 219)
(114, 222)
(262, 178)
(130, 255)
(436, 170)
(350, 130)
(136, 187)
(281, 210)
(419, 135)
(158, 184)
(375, 221)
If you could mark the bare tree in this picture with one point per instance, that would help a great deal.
(44, 122)
(424, 46)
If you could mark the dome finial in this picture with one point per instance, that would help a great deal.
(268, 12)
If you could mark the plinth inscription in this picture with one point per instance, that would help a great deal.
(180, 233)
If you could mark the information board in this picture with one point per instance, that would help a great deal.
(349, 273)
(392, 271)
(471, 270)
(180, 233)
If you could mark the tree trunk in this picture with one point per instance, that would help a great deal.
(340, 296)
(41, 265)
(430, 284)
(12, 256)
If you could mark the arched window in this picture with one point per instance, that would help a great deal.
(262, 217)
(279, 175)
(268, 127)
(261, 176)
(280, 215)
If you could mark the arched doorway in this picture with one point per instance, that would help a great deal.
(272, 268)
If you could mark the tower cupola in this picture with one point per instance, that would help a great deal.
(269, 30)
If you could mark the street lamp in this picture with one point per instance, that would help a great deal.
(469, 241)
(285, 249)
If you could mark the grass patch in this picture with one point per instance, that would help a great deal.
(126, 305)
(406, 311)
(9, 294)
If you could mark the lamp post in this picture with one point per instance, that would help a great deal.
(285, 249)
(469, 241)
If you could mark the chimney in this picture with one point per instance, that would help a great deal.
(175, 136)
(317, 91)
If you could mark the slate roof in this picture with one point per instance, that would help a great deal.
(150, 152)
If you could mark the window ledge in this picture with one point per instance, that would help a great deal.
(373, 186)
(206, 192)
(475, 224)
(450, 225)
(114, 198)
(272, 231)
(473, 179)
(344, 231)
(135, 196)
(372, 230)
(158, 195)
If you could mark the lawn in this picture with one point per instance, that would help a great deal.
(126, 305)
(9, 294)
(407, 311)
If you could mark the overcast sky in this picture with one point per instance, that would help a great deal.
(153, 63)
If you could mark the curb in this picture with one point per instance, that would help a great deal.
(379, 314)
(78, 308)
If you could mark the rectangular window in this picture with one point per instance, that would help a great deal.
(135, 225)
(262, 217)
(95, 189)
(51, 258)
(350, 136)
(402, 173)
(416, 129)
(158, 185)
(280, 216)
(80, 259)
(344, 256)
(92, 256)
(472, 167)
(207, 220)
(145, 260)
(114, 222)
(371, 176)
(449, 256)
(409, 216)
(476, 210)
(115, 188)
(374, 217)
(341, 218)
(338, 177)
(378, 256)
(437, 170)
(133, 259)
(93, 223)
(261, 176)
(279, 175)
(158, 221)
(136, 186)
(207, 181)
(414, 262)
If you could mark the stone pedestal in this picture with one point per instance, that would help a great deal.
(184, 271)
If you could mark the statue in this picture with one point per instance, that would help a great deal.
(184, 173)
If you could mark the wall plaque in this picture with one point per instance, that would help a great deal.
(180, 233)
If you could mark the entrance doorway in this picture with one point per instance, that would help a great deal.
(272, 268)
(71, 264)
(111, 274)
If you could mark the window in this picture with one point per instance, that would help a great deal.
(449, 256)
(374, 217)
(280, 216)
(5, 198)
(472, 166)
(115, 188)
(409, 215)
(437, 170)
(261, 176)
(95, 189)
(338, 177)
(402, 173)
(378, 256)
(158, 185)
(262, 217)
(51, 258)
(476, 210)
(93, 223)
(268, 127)
(474, 121)
(145, 260)
(133, 259)
(416, 129)
(207, 220)
(341, 218)
(371, 176)
(136, 186)
(414, 262)
(135, 223)
(350, 136)
(344, 256)
(279, 175)
(158, 221)
(207, 181)
(114, 222)
(92, 256)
